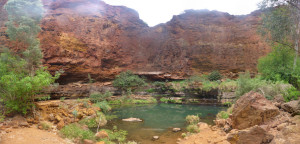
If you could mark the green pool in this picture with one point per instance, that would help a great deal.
(159, 119)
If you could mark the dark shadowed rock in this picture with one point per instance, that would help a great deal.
(292, 107)
(253, 135)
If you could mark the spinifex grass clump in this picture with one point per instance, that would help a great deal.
(192, 120)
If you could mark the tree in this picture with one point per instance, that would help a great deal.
(281, 23)
(22, 77)
(17, 87)
(23, 27)
(281, 27)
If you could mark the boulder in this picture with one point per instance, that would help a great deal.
(132, 120)
(292, 107)
(101, 134)
(253, 135)
(252, 109)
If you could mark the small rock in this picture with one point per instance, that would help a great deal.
(58, 118)
(86, 141)
(60, 125)
(132, 120)
(281, 126)
(101, 134)
(176, 129)
(24, 124)
(100, 142)
(40, 127)
(155, 137)
(51, 117)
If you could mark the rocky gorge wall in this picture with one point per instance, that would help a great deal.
(91, 37)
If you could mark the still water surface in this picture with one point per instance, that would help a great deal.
(159, 119)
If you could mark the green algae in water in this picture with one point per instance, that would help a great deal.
(159, 119)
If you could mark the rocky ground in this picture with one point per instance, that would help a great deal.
(42, 127)
(254, 120)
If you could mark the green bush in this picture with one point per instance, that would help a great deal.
(214, 76)
(73, 131)
(104, 106)
(117, 135)
(245, 84)
(228, 86)
(127, 82)
(278, 65)
(192, 119)
(292, 94)
(90, 122)
(222, 115)
(193, 128)
(164, 100)
(160, 86)
(18, 88)
(98, 97)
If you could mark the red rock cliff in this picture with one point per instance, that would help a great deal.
(90, 37)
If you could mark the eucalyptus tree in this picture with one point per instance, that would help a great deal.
(23, 27)
(281, 23)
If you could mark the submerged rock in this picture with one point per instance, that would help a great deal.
(252, 109)
(176, 129)
(132, 120)
(155, 137)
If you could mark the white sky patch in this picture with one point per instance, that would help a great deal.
(154, 12)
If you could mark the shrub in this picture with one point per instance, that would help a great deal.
(292, 94)
(45, 125)
(127, 81)
(245, 84)
(222, 115)
(192, 119)
(214, 76)
(97, 97)
(118, 135)
(104, 106)
(209, 85)
(90, 122)
(228, 104)
(193, 128)
(74, 131)
(18, 87)
(278, 65)
(228, 86)
(164, 100)
(111, 117)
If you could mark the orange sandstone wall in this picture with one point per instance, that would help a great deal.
(91, 37)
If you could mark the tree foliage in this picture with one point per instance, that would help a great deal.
(281, 23)
(17, 87)
(278, 65)
(23, 27)
(22, 77)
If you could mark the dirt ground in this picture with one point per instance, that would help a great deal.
(31, 136)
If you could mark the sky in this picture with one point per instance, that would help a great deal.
(154, 12)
